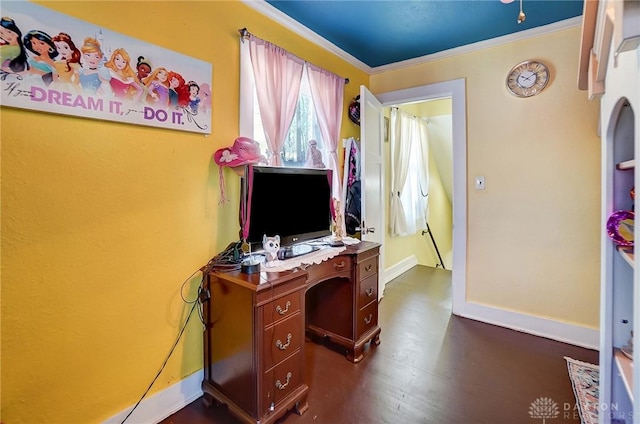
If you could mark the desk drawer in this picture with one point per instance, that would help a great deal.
(367, 319)
(368, 291)
(282, 339)
(282, 380)
(281, 308)
(368, 268)
(328, 268)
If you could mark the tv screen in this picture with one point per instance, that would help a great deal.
(294, 203)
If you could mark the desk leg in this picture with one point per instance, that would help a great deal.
(356, 354)
(301, 406)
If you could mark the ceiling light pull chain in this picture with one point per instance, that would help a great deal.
(521, 15)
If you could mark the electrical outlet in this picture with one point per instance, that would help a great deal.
(480, 183)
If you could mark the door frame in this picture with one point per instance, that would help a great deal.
(372, 174)
(455, 89)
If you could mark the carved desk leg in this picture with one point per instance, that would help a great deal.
(376, 339)
(357, 353)
(301, 406)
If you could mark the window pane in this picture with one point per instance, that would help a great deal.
(304, 128)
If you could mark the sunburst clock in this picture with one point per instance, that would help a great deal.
(527, 78)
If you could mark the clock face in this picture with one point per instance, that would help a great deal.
(528, 78)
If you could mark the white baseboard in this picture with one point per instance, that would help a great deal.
(399, 268)
(164, 403)
(555, 330)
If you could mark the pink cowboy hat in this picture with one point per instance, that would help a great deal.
(243, 151)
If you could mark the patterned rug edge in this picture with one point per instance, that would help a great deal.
(585, 381)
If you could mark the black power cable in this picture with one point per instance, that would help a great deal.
(163, 364)
(195, 303)
(229, 259)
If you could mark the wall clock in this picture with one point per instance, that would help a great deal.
(528, 78)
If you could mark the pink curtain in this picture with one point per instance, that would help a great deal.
(327, 91)
(277, 74)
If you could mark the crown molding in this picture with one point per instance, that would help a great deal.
(271, 12)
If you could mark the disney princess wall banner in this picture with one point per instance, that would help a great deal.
(51, 62)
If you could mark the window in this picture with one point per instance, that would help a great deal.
(304, 128)
(291, 84)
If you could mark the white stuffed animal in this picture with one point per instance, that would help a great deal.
(271, 246)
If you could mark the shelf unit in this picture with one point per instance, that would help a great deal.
(620, 286)
(609, 69)
(627, 254)
(620, 279)
(625, 370)
(626, 165)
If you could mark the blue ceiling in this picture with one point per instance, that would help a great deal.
(381, 32)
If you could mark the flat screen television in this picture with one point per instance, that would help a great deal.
(294, 203)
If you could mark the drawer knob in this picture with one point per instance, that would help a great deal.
(284, 346)
(339, 266)
(280, 385)
(367, 320)
(368, 267)
(285, 310)
(370, 292)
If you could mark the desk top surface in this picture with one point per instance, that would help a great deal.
(259, 280)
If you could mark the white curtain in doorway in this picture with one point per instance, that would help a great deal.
(409, 173)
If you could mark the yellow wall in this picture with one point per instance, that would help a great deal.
(533, 234)
(103, 222)
(434, 107)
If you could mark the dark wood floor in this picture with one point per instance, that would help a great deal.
(430, 367)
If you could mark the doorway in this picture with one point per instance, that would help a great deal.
(430, 245)
(454, 89)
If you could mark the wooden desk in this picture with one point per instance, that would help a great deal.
(255, 329)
